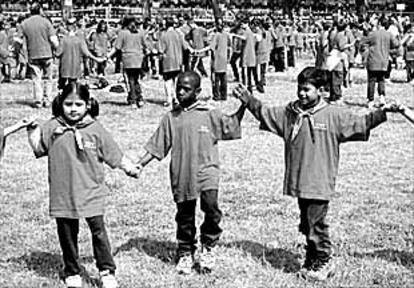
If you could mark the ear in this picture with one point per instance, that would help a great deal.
(198, 91)
(321, 91)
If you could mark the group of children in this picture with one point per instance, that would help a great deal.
(77, 145)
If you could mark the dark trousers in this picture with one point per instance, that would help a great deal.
(197, 62)
(337, 79)
(233, 60)
(280, 59)
(186, 60)
(247, 74)
(86, 67)
(291, 56)
(376, 77)
(220, 86)
(100, 68)
(68, 230)
(409, 66)
(62, 82)
(263, 68)
(133, 75)
(118, 59)
(313, 225)
(210, 230)
(5, 70)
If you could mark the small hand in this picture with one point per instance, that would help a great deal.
(241, 93)
(134, 172)
(393, 107)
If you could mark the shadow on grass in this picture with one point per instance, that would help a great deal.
(279, 258)
(403, 258)
(114, 103)
(162, 250)
(48, 265)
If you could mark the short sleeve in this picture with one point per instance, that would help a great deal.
(272, 119)
(225, 127)
(43, 142)
(160, 142)
(2, 142)
(352, 127)
(108, 150)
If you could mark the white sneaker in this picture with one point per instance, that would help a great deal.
(382, 100)
(108, 280)
(207, 259)
(185, 264)
(74, 281)
(371, 105)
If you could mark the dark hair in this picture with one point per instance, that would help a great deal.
(102, 27)
(314, 76)
(193, 75)
(35, 8)
(80, 89)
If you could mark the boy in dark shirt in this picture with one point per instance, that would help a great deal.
(192, 131)
(313, 131)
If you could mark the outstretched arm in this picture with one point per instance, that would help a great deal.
(250, 102)
(17, 126)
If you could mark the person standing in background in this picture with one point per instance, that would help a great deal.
(40, 38)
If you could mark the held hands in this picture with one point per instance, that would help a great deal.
(241, 93)
(393, 107)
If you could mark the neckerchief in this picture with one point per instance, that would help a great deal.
(302, 114)
(60, 130)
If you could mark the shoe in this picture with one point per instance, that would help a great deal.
(37, 104)
(46, 103)
(321, 270)
(260, 89)
(140, 103)
(185, 264)
(207, 259)
(371, 104)
(382, 100)
(108, 279)
(74, 281)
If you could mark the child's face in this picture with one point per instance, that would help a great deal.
(308, 95)
(186, 91)
(74, 108)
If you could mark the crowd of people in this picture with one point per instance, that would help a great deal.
(175, 49)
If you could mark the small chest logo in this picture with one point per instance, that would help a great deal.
(203, 129)
(320, 126)
(89, 145)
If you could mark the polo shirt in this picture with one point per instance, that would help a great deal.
(248, 58)
(311, 166)
(220, 45)
(76, 177)
(132, 46)
(192, 136)
(171, 47)
(37, 31)
(71, 52)
(380, 42)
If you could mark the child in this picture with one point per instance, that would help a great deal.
(191, 132)
(4, 132)
(71, 52)
(77, 146)
(312, 131)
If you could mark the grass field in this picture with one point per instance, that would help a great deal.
(371, 219)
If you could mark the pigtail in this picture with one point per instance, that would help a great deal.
(57, 109)
(93, 107)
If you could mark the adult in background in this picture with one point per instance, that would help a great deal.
(408, 44)
(40, 37)
(131, 43)
(379, 43)
(101, 43)
(171, 49)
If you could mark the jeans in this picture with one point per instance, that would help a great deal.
(234, 57)
(68, 230)
(210, 230)
(42, 70)
(313, 225)
(220, 86)
(133, 75)
(337, 79)
(376, 77)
